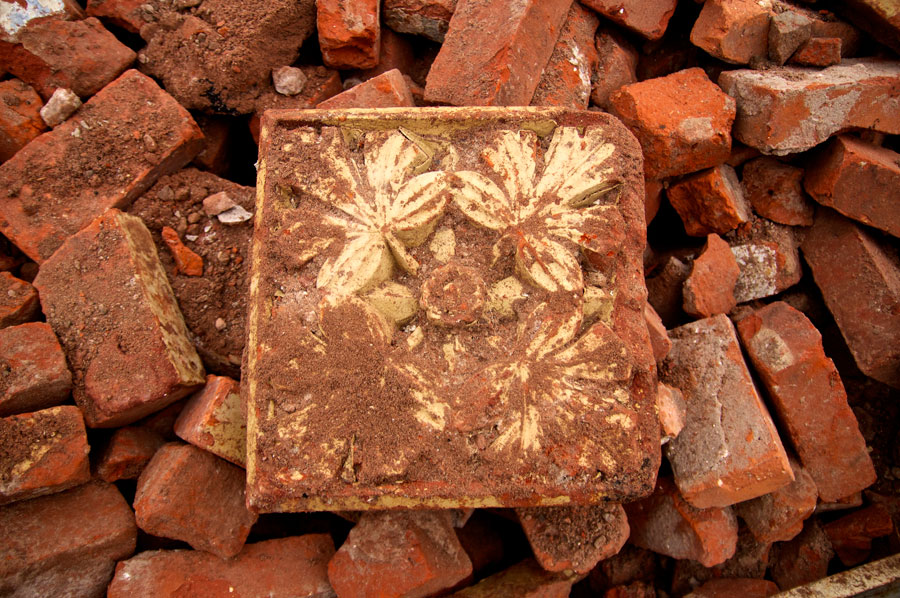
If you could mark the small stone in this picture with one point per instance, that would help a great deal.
(61, 105)
(220, 324)
(217, 203)
(234, 215)
(288, 80)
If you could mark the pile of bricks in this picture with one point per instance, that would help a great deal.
(128, 131)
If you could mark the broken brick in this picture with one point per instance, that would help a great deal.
(187, 494)
(735, 31)
(830, 26)
(667, 524)
(709, 289)
(20, 116)
(130, 15)
(878, 18)
(786, 350)
(186, 261)
(672, 410)
(349, 33)
(294, 566)
(482, 540)
(638, 589)
(493, 54)
(66, 544)
(664, 289)
(127, 453)
(78, 55)
(729, 450)
(631, 564)
(63, 180)
(217, 138)
(44, 452)
(412, 554)
(653, 190)
(788, 31)
(775, 190)
(396, 52)
(858, 179)
(575, 538)
(566, 79)
(767, 255)
(735, 588)
(860, 282)
(616, 65)
(387, 90)
(803, 559)
(791, 109)
(851, 536)
(710, 201)
(750, 561)
(18, 301)
(818, 51)
(525, 579)
(779, 515)
(213, 420)
(34, 371)
(648, 18)
(106, 285)
(659, 337)
(17, 17)
(683, 121)
(428, 18)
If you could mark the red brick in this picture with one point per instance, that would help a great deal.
(788, 31)
(659, 337)
(683, 121)
(408, 554)
(126, 14)
(791, 109)
(213, 420)
(108, 278)
(217, 144)
(653, 190)
(779, 515)
(851, 536)
(860, 282)
(638, 589)
(127, 453)
(735, 31)
(786, 351)
(631, 564)
(710, 201)
(428, 18)
(818, 51)
(775, 190)
(349, 33)
(616, 65)
(566, 80)
(294, 566)
(574, 538)
(729, 450)
(859, 180)
(78, 55)
(48, 193)
(709, 289)
(163, 421)
(35, 374)
(881, 19)
(750, 561)
(827, 25)
(648, 18)
(493, 54)
(187, 494)
(767, 255)
(66, 544)
(664, 289)
(852, 501)
(525, 579)
(20, 116)
(396, 52)
(667, 524)
(17, 16)
(387, 90)
(18, 301)
(803, 559)
(735, 588)
(482, 539)
(672, 410)
(44, 452)
(740, 154)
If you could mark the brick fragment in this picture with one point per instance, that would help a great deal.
(482, 539)
(127, 453)
(525, 579)
(616, 66)
(17, 16)
(130, 15)
(709, 289)
(683, 121)
(43, 452)
(631, 564)
(187, 494)
(881, 19)
(20, 118)
(735, 588)
(213, 420)
(638, 589)
(18, 301)
(566, 79)
(750, 561)
(672, 410)
(575, 538)
(735, 31)
(387, 90)
(349, 33)
(653, 190)
(408, 554)
(648, 18)
(186, 261)
(35, 374)
(860, 282)
(78, 55)
(851, 501)
(858, 179)
(217, 144)
(61, 105)
(49, 194)
(667, 524)
(729, 450)
(803, 559)
(851, 536)
(710, 201)
(664, 289)
(428, 18)
(66, 544)
(830, 26)
(786, 350)
(791, 109)
(294, 566)
(493, 54)
(108, 278)
(788, 31)
(659, 337)
(768, 257)
(779, 515)
(818, 51)
(775, 190)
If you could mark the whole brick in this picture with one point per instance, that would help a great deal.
(803, 559)
(34, 371)
(818, 51)
(566, 80)
(775, 190)
(493, 54)
(107, 298)
(387, 90)
(127, 453)
(860, 282)
(683, 121)
(286, 567)
(791, 109)
(786, 351)
(709, 290)
(729, 450)
(127, 135)
(710, 201)
(428, 18)
(66, 544)
(20, 116)
(779, 515)
(187, 494)
(18, 301)
(525, 579)
(735, 31)
(648, 18)
(349, 33)
(213, 420)
(43, 452)
(402, 554)
(735, 588)
(858, 179)
(851, 536)
(78, 55)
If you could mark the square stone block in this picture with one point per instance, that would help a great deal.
(446, 311)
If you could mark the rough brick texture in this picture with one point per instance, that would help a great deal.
(20, 116)
(735, 31)
(851, 536)
(66, 544)
(659, 337)
(648, 18)
(127, 453)
(803, 559)
(127, 14)
(387, 90)
(775, 190)
(617, 61)
(566, 80)
(35, 374)
(877, 17)
(709, 289)
(18, 301)
(787, 32)
(710, 201)
(779, 515)
(349, 33)
(818, 51)
(735, 588)
(750, 560)
(767, 254)
(213, 420)
(525, 579)
(428, 18)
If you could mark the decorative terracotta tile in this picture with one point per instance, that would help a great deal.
(447, 310)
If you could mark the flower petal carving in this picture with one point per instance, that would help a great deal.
(483, 201)
(364, 262)
(548, 264)
(575, 165)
